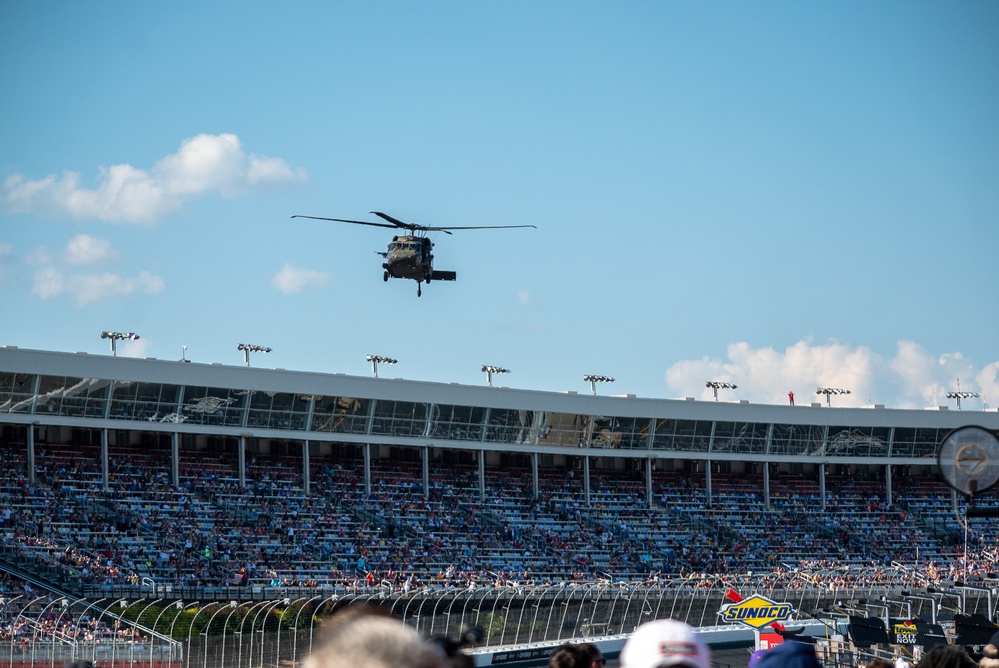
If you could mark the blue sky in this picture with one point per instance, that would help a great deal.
(782, 195)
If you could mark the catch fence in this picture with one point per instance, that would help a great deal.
(276, 628)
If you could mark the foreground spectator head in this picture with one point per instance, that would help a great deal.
(597, 659)
(662, 643)
(375, 641)
(350, 613)
(990, 653)
(790, 654)
(879, 663)
(570, 655)
(946, 656)
(79, 663)
(453, 648)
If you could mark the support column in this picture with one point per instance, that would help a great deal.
(534, 475)
(707, 480)
(242, 461)
(306, 479)
(766, 484)
(367, 469)
(426, 473)
(31, 454)
(822, 484)
(586, 481)
(482, 476)
(888, 490)
(105, 472)
(175, 459)
(648, 481)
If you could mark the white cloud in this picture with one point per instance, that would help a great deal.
(48, 283)
(292, 279)
(202, 164)
(523, 296)
(6, 257)
(911, 379)
(85, 249)
(988, 380)
(51, 280)
(133, 348)
(86, 289)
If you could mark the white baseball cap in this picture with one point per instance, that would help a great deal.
(665, 642)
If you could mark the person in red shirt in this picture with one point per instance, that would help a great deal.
(790, 397)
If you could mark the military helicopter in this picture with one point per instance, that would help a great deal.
(409, 255)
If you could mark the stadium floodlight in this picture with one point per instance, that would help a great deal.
(489, 370)
(376, 360)
(829, 391)
(118, 336)
(962, 395)
(248, 348)
(593, 379)
(716, 385)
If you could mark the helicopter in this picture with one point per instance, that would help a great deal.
(410, 255)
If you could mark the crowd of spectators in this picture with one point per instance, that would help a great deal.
(32, 615)
(209, 531)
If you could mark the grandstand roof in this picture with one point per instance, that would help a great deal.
(104, 392)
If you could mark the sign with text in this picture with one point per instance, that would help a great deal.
(755, 612)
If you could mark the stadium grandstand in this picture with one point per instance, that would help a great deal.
(181, 484)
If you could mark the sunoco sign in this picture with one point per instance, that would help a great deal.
(755, 612)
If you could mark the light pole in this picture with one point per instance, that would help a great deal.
(489, 370)
(716, 385)
(962, 395)
(593, 379)
(248, 348)
(829, 391)
(376, 360)
(116, 337)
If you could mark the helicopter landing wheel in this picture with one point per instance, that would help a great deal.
(419, 290)
(385, 277)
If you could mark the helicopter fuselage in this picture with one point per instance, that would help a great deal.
(409, 257)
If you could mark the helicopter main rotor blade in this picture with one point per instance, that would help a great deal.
(344, 220)
(430, 228)
(397, 222)
(476, 227)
